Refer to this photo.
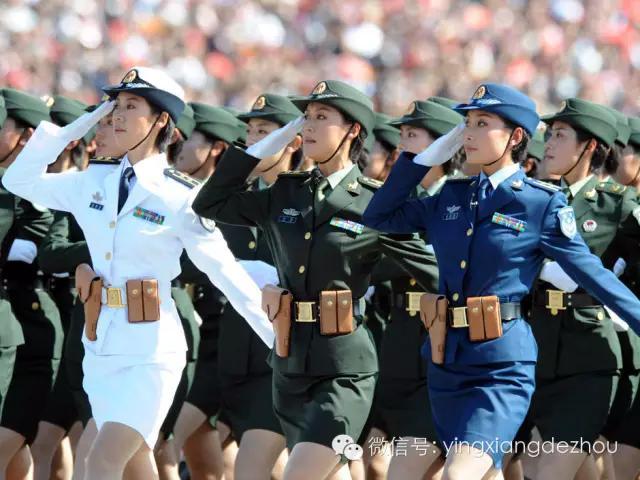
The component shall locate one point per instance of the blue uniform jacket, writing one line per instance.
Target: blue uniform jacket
(495, 248)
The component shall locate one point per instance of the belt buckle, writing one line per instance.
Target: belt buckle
(459, 317)
(413, 302)
(555, 301)
(305, 312)
(114, 297)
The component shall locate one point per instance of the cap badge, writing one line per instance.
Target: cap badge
(130, 77)
(480, 92)
(320, 88)
(260, 103)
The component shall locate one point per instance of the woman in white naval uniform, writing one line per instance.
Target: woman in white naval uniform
(137, 219)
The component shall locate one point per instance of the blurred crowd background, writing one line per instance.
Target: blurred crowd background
(229, 51)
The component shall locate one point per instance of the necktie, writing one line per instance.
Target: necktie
(322, 190)
(567, 193)
(485, 190)
(123, 191)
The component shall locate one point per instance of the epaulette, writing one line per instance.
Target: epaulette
(370, 182)
(295, 174)
(180, 177)
(549, 187)
(104, 161)
(611, 187)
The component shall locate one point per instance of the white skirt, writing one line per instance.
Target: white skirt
(135, 390)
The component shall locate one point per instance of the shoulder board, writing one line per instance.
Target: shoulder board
(370, 182)
(549, 187)
(180, 177)
(104, 161)
(611, 187)
(460, 179)
(295, 174)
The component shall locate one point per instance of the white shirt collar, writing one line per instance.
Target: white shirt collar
(436, 186)
(576, 187)
(336, 177)
(501, 175)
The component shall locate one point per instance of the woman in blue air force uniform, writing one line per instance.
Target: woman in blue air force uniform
(490, 234)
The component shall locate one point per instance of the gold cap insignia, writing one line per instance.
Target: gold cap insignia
(590, 193)
(259, 103)
(563, 105)
(411, 109)
(480, 92)
(105, 98)
(130, 77)
(49, 100)
(353, 186)
(320, 88)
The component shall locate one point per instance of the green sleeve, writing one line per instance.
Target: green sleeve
(57, 254)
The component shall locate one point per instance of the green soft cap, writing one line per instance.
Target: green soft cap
(431, 116)
(536, 146)
(274, 108)
(65, 110)
(25, 108)
(217, 123)
(589, 117)
(349, 100)
(186, 122)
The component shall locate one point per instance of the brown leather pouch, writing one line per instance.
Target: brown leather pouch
(151, 300)
(433, 313)
(276, 303)
(328, 312)
(345, 311)
(89, 287)
(135, 305)
(492, 317)
(475, 319)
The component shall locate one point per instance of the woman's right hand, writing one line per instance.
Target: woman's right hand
(81, 126)
(276, 140)
(443, 149)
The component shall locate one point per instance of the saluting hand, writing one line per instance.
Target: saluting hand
(81, 126)
(442, 149)
(276, 140)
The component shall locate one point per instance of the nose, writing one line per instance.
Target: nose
(307, 127)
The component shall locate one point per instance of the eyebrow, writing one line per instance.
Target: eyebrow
(326, 109)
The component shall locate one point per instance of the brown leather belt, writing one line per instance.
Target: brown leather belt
(409, 301)
(557, 300)
(457, 316)
(309, 312)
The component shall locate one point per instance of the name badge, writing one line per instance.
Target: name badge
(347, 225)
(96, 206)
(509, 222)
(148, 215)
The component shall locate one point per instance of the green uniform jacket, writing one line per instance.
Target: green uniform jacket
(10, 329)
(583, 339)
(313, 251)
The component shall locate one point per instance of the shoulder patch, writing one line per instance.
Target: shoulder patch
(611, 187)
(549, 187)
(180, 177)
(104, 161)
(295, 174)
(370, 182)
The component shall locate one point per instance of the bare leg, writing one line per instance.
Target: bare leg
(281, 463)
(626, 461)
(415, 463)
(10, 443)
(229, 450)
(468, 463)
(82, 451)
(189, 420)
(259, 450)
(44, 448)
(357, 471)
(141, 466)
(376, 460)
(312, 461)
(74, 436)
(112, 449)
(21, 465)
(166, 459)
(62, 464)
(560, 465)
(203, 454)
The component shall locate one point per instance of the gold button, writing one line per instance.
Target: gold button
(469, 232)
(307, 235)
(345, 302)
(149, 291)
(455, 297)
(107, 256)
(475, 309)
(600, 316)
(412, 282)
(112, 224)
(463, 264)
(301, 269)
(134, 291)
(252, 245)
(35, 306)
(490, 308)
(329, 303)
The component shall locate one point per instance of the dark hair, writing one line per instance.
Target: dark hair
(20, 123)
(519, 152)
(174, 150)
(599, 155)
(296, 159)
(613, 159)
(77, 154)
(163, 140)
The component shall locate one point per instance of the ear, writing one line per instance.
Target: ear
(591, 146)
(295, 144)
(218, 148)
(355, 130)
(26, 135)
(72, 145)
(163, 120)
(517, 136)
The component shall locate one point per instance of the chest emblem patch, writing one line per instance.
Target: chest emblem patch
(289, 215)
(453, 212)
(590, 226)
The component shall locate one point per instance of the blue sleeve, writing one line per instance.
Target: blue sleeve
(585, 268)
(390, 210)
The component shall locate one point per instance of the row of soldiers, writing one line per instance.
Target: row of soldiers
(222, 420)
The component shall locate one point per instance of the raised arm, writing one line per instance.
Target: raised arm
(27, 176)
(209, 252)
(586, 269)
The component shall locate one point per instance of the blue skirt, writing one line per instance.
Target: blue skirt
(481, 406)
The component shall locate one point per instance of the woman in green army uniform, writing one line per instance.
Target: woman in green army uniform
(323, 386)
(579, 352)
(52, 448)
(626, 459)
(214, 130)
(245, 376)
(37, 360)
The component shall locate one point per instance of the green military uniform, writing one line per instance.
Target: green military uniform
(579, 351)
(402, 398)
(625, 416)
(37, 360)
(245, 376)
(325, 386)
(216, 124)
